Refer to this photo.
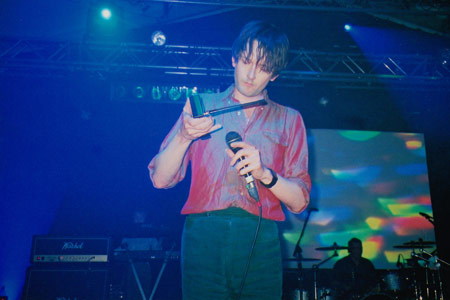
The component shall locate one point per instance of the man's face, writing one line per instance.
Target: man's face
(355, 249)
(249, 77)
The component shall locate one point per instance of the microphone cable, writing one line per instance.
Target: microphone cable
(254, 194)
(230, 138)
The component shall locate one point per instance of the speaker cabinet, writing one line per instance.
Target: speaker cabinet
(66, 284)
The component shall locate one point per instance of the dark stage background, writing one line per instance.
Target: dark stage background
(74, 162)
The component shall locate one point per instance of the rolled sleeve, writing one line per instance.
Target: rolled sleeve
(182, 170)
(296, 157)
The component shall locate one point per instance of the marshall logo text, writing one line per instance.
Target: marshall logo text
(72, 245)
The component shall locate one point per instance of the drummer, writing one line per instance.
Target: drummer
(354, 275)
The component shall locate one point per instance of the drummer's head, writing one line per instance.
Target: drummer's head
(355, 247)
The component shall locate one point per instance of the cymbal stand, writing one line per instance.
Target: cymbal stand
(438, 263)
(316, 268)
(298, 254)
(438, 260)
(418, 289)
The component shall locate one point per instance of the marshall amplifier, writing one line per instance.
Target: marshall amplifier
(66, 284)
(51, 249)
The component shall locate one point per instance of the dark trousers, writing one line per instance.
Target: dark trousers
(215, 251)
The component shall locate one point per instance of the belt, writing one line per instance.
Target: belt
(231, 211)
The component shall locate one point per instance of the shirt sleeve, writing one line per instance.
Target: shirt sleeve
(182, 170)
(296, 156)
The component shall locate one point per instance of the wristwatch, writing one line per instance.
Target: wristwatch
(274, 179)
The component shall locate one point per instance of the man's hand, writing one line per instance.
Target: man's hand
(252, 162)
(193, 128)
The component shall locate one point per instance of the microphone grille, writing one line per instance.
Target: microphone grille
(232, 137)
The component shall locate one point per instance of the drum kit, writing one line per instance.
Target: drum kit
(416, 278)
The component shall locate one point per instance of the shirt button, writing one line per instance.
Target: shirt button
(242, 194)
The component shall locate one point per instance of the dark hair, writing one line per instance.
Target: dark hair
(354, 241)
(273, 46)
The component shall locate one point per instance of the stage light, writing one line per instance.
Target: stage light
(156, 93)
(174, 93)
(323, 101)
(120, 91)
(445, 57)
(105, 22)
(158, 38)
(106, 13)
(347, 27)
(139, 92)
(147, 92)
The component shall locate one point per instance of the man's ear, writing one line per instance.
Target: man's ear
(274, 77)
(233, 62)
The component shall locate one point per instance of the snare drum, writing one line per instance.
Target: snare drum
(392, 282)
(296, 295)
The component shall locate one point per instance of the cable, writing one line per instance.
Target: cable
(230, 138)
(254, 194)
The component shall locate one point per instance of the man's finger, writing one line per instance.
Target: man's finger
(187, 108)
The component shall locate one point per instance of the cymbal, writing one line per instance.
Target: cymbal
(416, 244)
(332, 248)
(412, 246)
(419, 242)
(301, 259)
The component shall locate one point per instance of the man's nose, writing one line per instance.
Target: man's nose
(252, 72)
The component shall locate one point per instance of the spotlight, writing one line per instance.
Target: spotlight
(158, 38)
(106, 13)
(174, 94)
(445, 57)
(104, 21)
(120, 91)
(347, 27)
(323, 101)
(156, 93)
(139, 92)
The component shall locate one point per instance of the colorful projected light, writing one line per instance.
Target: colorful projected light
(369, 185)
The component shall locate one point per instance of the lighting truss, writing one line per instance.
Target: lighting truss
(367, 6)
(431, 16)
(46, 58)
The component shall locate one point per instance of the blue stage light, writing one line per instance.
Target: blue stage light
(347, 27)
(106, 13)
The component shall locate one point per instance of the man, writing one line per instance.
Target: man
(354, 275)
(221, 216)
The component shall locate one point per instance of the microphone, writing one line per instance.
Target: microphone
(426, 216)
(233, 137)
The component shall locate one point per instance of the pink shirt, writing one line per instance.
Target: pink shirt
(279, 134)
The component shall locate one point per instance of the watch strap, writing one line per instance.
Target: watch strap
(274, 179)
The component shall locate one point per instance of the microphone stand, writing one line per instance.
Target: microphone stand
(299, 256)
(222, 110)
(429, 218)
